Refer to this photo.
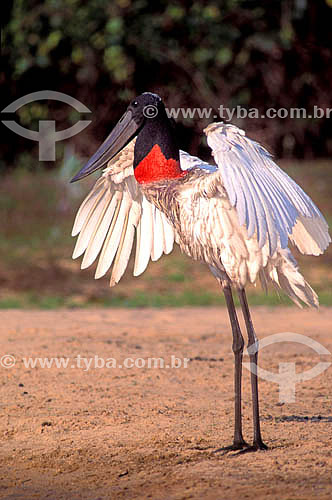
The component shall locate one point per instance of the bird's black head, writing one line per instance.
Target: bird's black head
(145, 108)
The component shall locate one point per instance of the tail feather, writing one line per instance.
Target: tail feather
(284, 274)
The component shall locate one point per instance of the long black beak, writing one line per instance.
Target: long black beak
(121, 135)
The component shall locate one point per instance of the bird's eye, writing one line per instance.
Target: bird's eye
(134, 104)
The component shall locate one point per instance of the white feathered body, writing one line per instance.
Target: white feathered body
(238, 217)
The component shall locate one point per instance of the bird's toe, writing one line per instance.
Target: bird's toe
(236, 446)
(256, 446)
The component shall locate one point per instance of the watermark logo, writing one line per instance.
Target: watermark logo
(287, 378)
(150, 111)
(47, 136)
(96, 362)
(239, 113)
(7, 361)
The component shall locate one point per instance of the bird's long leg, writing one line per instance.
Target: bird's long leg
(253, 357)
(238, 344)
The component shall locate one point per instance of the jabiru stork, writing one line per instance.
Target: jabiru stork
(238, 216)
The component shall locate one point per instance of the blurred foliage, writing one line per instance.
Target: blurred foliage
(194, 53)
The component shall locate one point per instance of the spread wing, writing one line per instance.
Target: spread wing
(268, 202)
(109, 217)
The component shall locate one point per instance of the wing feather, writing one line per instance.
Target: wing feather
(98, 236)
(168, 235)
(85, 208)
(109, 217)
(89, 224)
(124, 250)
(145, 240)
(268, 202)
(158, 235)
(113, 238)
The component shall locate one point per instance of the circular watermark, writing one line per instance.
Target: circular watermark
(287, 378)
(150, 111)
(47, 136)
(7, 361)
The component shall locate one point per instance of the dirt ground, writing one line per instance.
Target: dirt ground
(108, 433)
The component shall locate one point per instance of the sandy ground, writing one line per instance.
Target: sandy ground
(74, 433)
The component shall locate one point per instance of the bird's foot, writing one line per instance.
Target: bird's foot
(236, 446)
(257, 445)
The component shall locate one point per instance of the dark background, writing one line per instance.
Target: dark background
(194, 54)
